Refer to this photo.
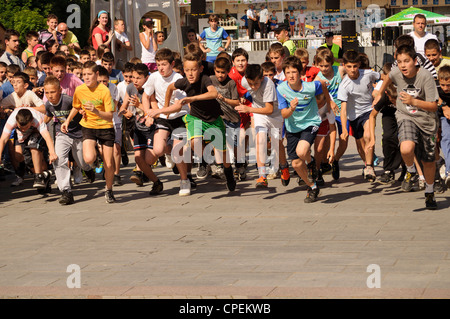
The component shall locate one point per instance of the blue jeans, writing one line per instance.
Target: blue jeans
(445, 142)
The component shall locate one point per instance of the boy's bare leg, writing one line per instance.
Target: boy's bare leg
(38, 161)
(108, 162)
(140, 159)
(304, 154)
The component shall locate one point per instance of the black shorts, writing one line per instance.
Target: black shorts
(144, 139)
(172, 125)
(358, 125)
(33, 141)
(308, 134)
(104, 136)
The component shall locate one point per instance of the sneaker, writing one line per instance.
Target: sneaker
(240, 173)
(2, 173)
(312, 195)
(376, 160)
(411, 182)
(17, 182)
(231, 183)
(312, 170)
(447, 180)
(117, 180)
(90, 175)
(430, 201)
(100, 168)
(388, 177)
(439, 186)
(39, 181)
(421, 182)
(285, 176)
(168, 159)
(66, 198)
(273, 174)
(218, 172)
(157, 188)
(326, 168)
(369, 173)
(320, 181)
(137, 178)
(261, 182)
(109, 196)
(185, 188)
(193, 183)
(335, 170)
(203, 171)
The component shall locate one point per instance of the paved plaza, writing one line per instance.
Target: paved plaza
(249, 244)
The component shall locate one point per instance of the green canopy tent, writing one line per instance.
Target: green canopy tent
(406, 17)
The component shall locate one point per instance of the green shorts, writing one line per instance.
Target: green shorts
(213, 132)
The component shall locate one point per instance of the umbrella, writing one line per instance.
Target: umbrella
(407, 16)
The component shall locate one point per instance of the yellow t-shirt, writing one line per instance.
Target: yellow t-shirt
(444, 61)
(102, 100)
(70, 38)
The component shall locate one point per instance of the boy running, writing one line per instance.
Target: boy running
(97, 126)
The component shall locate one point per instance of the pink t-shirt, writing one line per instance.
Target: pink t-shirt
(104, 35)
(69, 83)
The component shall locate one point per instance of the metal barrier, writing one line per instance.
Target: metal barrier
(264, 44)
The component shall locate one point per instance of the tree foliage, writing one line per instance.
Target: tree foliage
(26, 15)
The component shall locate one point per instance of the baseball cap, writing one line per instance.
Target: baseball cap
(328, 34)
(281, 27)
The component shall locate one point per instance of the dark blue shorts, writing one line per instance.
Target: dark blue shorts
(357, 125)
(308, 135)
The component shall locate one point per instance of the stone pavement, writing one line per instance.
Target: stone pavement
(248, 244)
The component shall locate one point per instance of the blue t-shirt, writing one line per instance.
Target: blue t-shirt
(116, 76)
(214, 39)
(307, 112)
(244, 17)
(333, 84)
(7, 89)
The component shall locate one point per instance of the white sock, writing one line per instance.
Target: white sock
(429, 188)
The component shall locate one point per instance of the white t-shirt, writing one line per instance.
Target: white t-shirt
(358, 93)
(158, 84)
(263, 15)
(121, 37)
(250, 14)
(419, 43)
(122, 89)
(301, 18)
(266, 93)
(28, 99)
(148, 56)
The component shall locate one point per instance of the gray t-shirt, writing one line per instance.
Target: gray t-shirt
(358, 93)
(140, 123)
(421, 87)
(265, 93)
(228, 90)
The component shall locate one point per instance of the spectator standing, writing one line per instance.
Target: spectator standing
(69, 38)
(12, 49)
(263, 20)
(419, 34)
(251, 16)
